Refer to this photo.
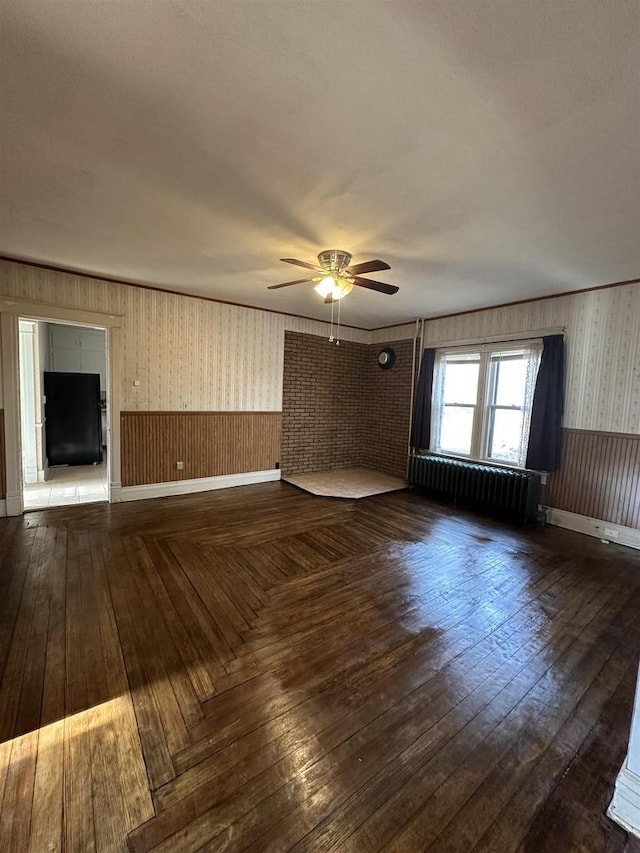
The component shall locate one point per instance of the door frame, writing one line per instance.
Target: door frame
(11, 310)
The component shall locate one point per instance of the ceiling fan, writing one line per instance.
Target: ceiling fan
(336, 278)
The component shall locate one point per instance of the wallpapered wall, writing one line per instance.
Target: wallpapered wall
(188, 354)
(603, 349)
(192, 355)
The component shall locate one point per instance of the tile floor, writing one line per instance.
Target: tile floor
(77, 484)
(346, 482)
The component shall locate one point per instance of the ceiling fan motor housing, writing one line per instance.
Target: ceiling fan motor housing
(334, 260)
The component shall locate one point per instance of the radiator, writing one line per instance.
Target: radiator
(515, 494)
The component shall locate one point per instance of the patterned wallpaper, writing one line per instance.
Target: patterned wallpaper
(603, 349)
(193, 355)
(187, 353)
(392, 333)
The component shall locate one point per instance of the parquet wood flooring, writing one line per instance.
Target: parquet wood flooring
(262, 669)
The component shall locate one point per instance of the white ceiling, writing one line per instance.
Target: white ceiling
(489, 150)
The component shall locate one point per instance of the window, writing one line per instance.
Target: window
(482, 402)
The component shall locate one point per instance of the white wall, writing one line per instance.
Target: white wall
(28, 370)
(77, 349)
(43, 345)
(42, 349)
(34, 359)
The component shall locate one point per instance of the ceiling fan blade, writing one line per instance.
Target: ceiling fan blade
(288, 283)
(380, 286)
(298, 263)
(368, 266)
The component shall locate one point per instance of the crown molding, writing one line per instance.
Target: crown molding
(128, 283)
(110, 280)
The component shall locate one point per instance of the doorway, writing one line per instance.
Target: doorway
(63, 413)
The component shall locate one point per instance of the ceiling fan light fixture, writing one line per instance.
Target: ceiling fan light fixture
(336, 277)
(330, 287)
(326, 286)
(334, 260)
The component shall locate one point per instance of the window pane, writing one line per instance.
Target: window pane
(461, 381)
(455, 430)
(505, 438)
(511, 381)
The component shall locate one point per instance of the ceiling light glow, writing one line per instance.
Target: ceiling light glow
(330, 287)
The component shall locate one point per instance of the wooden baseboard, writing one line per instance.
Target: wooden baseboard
(203, 484)
(603, 530)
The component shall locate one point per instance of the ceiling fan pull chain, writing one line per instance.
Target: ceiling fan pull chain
(331, 324)
(338, 329)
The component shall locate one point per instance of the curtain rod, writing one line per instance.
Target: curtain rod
(503, 339)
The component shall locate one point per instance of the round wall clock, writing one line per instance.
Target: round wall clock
(386, 358)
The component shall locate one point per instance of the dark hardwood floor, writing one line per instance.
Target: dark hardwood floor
(261, 669)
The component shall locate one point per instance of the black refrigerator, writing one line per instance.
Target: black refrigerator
(73, 423)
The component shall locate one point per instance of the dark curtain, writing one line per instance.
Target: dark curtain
(421, 423)
(545, 432)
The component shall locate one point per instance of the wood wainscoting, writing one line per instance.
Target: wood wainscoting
(208, 443)
(599, 477)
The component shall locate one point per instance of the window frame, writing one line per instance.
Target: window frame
(482, 421)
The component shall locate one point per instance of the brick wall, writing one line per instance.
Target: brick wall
(340, 409)
(321, 403)
(386, 413)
